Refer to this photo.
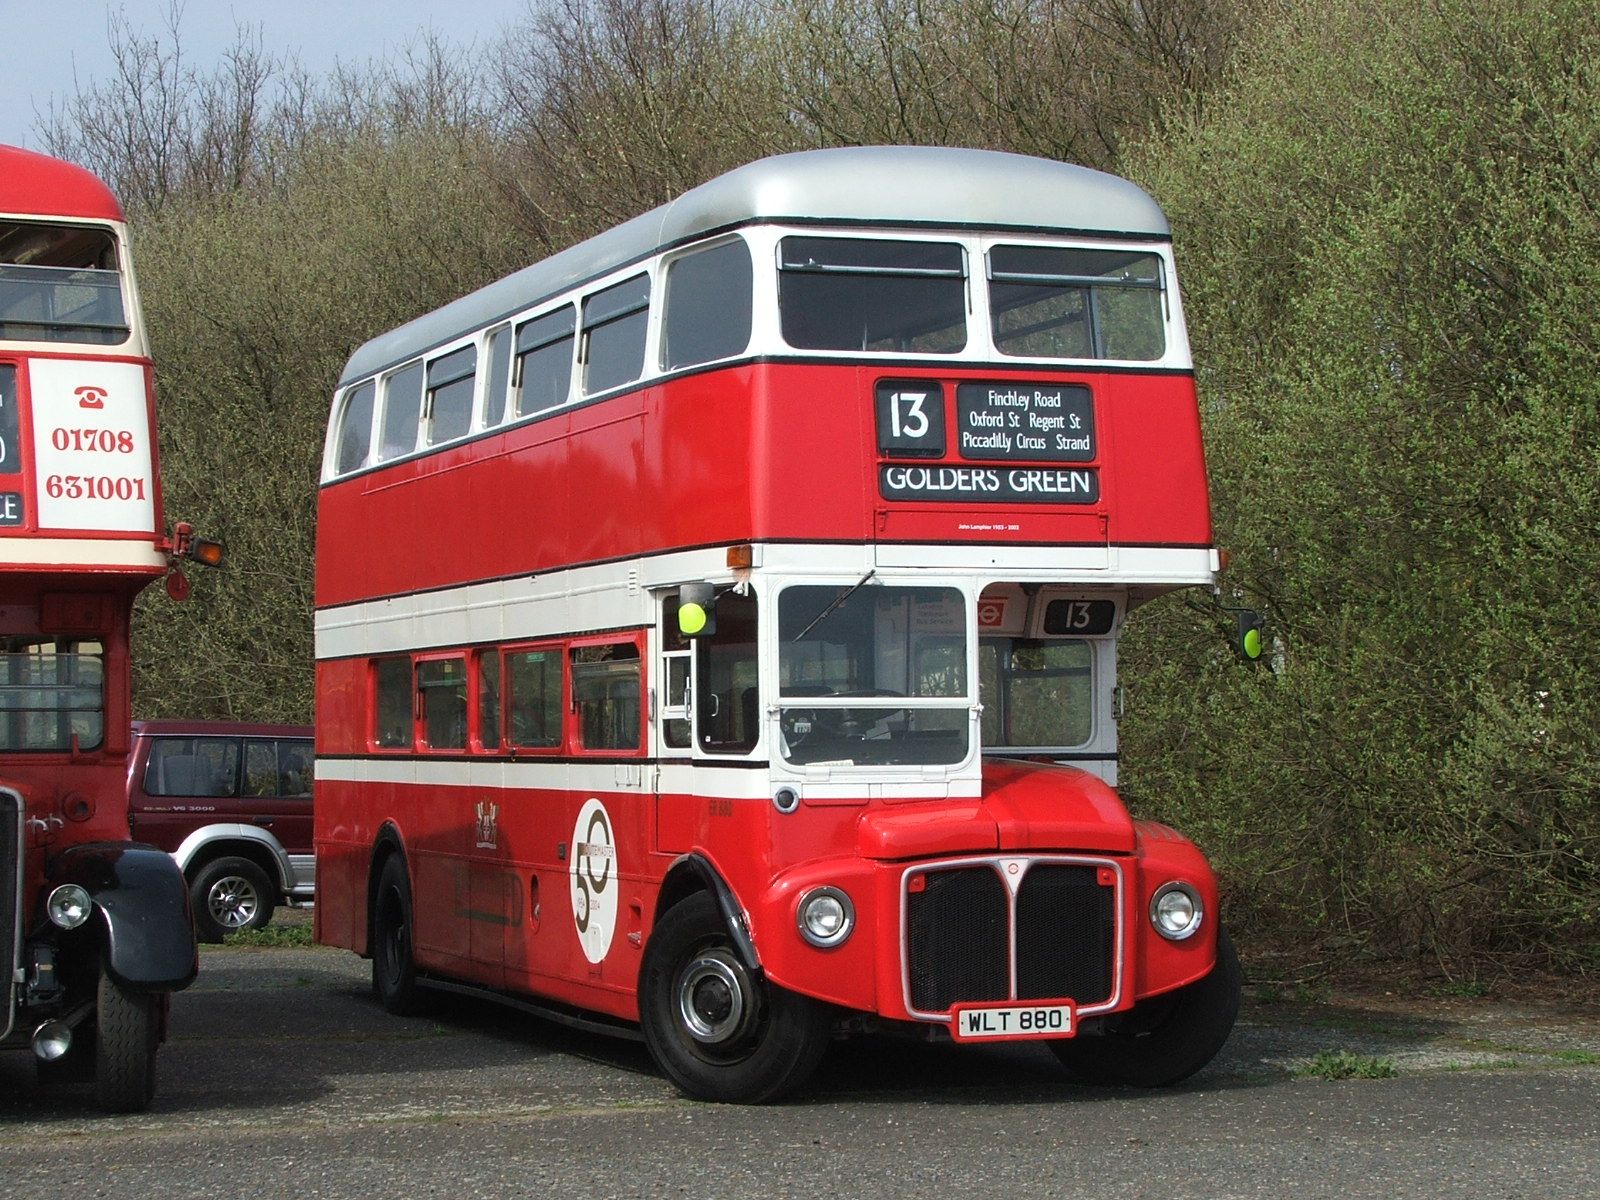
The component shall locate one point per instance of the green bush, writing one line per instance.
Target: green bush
(1392, 239)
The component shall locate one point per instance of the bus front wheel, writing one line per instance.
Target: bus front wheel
(717, 1029)
(1166, 1038)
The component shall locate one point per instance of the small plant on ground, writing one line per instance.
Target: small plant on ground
(273, 936)
(1343, 1064)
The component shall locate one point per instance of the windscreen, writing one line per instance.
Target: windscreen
(873, 675)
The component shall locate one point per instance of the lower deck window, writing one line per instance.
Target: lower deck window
(533, 709)
(52, 694)
(873, 675)
(392, 683)
(606, 695)
(442, 683)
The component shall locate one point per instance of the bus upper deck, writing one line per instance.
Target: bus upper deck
(988, 351)
(78, 485)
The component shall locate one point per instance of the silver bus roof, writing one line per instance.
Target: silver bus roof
(917, 186)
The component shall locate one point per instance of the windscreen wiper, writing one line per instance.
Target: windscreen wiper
(829, 611)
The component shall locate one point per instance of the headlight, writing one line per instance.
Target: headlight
(69, 906)
(826, 917)
(1176, 911)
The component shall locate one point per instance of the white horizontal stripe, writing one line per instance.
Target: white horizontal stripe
(608, 596)
(617, 595)
(80, 552)
(564, 775)
(675, 778)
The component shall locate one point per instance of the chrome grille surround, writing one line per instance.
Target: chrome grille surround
(1011, 871)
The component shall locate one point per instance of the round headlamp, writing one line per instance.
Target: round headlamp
(1176, 911)
(826, 917)
(68, 906)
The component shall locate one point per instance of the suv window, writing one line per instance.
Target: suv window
(277, 768)
(209, 766)
(193, 766)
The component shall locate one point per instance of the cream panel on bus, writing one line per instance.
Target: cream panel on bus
(91, 445)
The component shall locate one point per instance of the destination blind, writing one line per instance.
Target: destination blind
(996, 423)
(1025, 422)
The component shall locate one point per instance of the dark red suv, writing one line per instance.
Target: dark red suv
(232, 803)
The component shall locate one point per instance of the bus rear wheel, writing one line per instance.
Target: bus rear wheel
(394, 971)
(1166, 1038)
(717, 1029)
(127, 1032)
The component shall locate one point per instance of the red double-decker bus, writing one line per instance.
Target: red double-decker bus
(95, 931)
(717, 627)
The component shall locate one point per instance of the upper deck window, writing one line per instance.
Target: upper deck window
(59, 283)
(494, 398)
(52, 694)
(870, 294)
(402, 409)
(355, 429)
(614, 322)
(450, 379)
(708, 306)
(1061, 302)
(544, 361)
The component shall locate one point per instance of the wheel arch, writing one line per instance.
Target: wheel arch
(388, 844)
(142, 900)
(693, 873)
(211, 842)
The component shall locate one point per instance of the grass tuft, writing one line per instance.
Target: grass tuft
(1342, 1064)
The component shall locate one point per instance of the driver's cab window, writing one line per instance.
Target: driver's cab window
(712, 683)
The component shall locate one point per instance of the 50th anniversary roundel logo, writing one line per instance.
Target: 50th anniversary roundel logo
(593, 875)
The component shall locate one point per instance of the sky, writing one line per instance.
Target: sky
(43, 42)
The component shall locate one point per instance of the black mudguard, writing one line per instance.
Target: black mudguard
(144, 902)
(698, 865)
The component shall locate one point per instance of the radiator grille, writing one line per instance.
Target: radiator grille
(10, 877)
(959, 939)
(1066, 935)
(959, 935)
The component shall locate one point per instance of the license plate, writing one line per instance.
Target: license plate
(1012, 1022)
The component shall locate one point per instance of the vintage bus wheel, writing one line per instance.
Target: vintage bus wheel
(718, 1030)
(228, 895)
(1165, 1039)
(127, 1031)
(394, 971)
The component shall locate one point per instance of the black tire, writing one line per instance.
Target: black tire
(716, 1029)
(1165, 1039)
(394, 970)
(229, 895)
(127, 1032)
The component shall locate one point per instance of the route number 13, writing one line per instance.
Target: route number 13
(910, 418)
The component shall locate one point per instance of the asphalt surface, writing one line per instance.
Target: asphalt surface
(283, 1078)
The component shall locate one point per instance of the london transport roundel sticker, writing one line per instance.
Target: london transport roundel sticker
(593, 874)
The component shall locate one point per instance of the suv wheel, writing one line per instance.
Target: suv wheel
(230, 894)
